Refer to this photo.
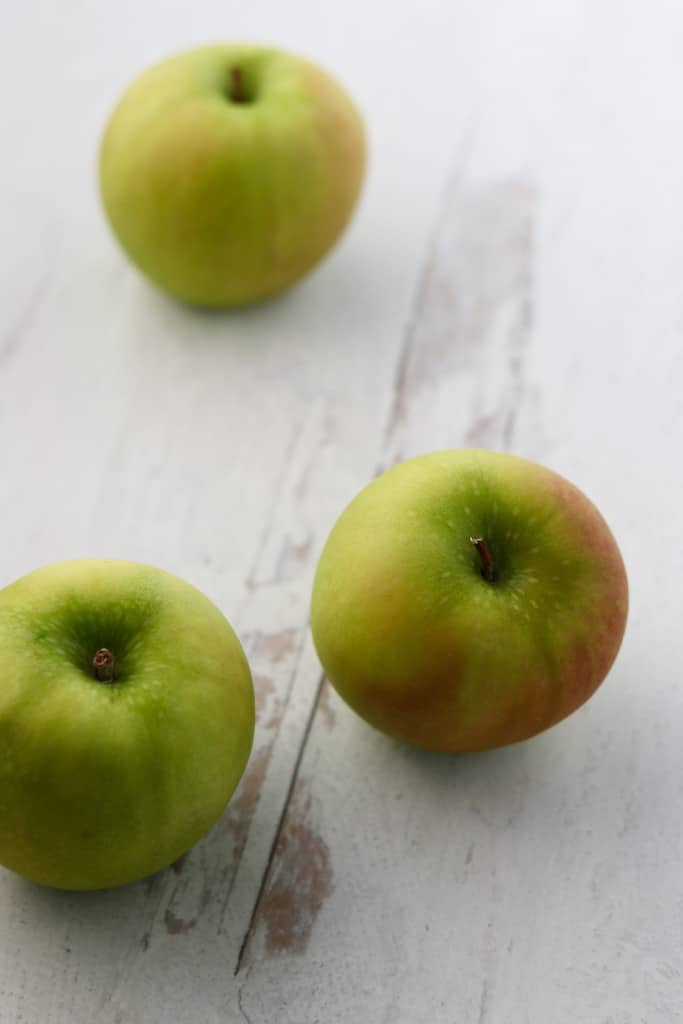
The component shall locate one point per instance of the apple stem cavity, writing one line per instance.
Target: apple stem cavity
(103, 665)
(237, 92)
(488, 569)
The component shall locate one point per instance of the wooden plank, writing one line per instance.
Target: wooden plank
(541, 882)
(218, 447)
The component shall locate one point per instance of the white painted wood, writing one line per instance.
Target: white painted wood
(513, 279)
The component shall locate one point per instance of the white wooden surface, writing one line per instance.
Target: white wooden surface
(513, 279)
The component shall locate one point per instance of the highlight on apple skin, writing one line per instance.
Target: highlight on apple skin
(126, 721)
(227, 172)
(468, 599)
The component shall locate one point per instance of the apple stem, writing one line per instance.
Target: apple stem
(103, 665)
(237, 93)
(488, 569)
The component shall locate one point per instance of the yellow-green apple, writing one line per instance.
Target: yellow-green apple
(228, 171)
(468, 599)
(126, 721)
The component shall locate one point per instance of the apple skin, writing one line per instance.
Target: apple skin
(103, 783)
(422, 646)
(224, 203)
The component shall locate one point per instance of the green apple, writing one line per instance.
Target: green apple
(468, 599)
(227, 172)
(126, 721)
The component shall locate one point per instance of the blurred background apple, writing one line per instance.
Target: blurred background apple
(227, 172)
